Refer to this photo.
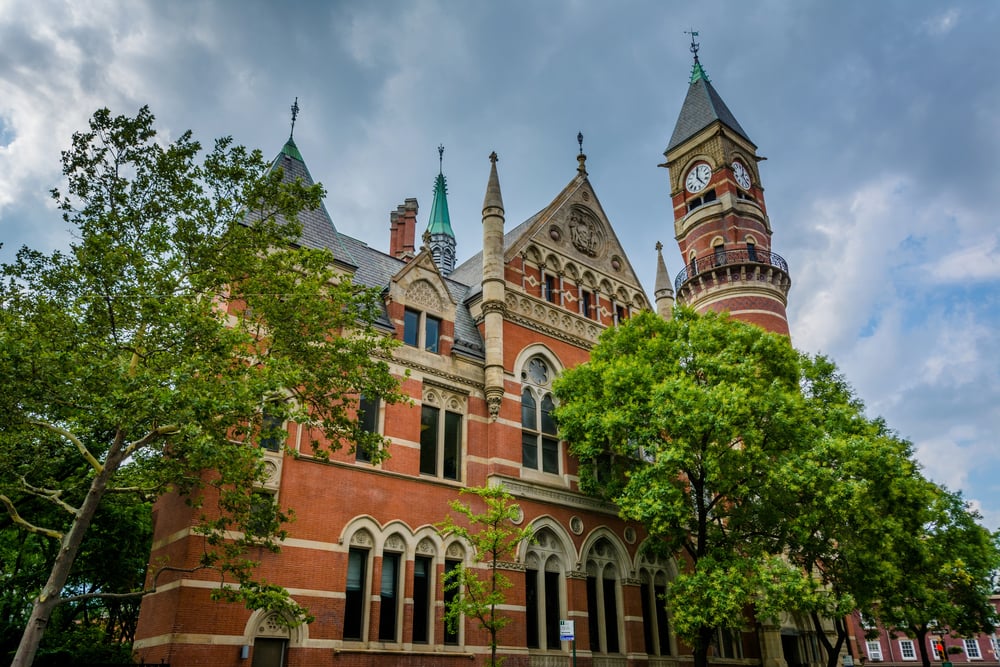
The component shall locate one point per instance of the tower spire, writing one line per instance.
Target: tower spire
(295, 114)
(697, 71)
(439, 237)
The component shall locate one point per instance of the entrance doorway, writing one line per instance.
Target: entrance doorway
(269, 652)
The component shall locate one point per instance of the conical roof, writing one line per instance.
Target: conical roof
(702, 107)
(318, 230)
(440, 221)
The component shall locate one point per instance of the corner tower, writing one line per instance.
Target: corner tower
(720, 220)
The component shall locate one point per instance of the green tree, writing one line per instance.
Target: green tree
(854, 467)
(147, 352)
(949, 572)
(686, 424)
(494, 539)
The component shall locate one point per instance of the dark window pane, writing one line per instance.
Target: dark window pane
(751, 252)
(432, 332)
(421, 598)
(389, 596)
(587, 300)
(548, 423)
(552, 611)
(662, 625)
(411, 327)
(550, 289)
(529, 450)
(531, 607)
(593, 621)
(450, 637)
(368, 419)
(550, 456)
(428, 439)
(263, 514)
(452, 445)
(720, 255)
(647, 618)
(271, 435)
(354, 609)
(529, 418)
(611, 615)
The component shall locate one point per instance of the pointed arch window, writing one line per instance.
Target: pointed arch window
(603, 611)
(544, 585)
(539, 442)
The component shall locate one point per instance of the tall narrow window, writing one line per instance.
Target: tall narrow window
(422, 567)
(662, 625)
(552, 614)
(751, 251)
(354, 610)
(593, 615)
(611, 613)
(368, 420)
(389, 597)
(531, 607)
(440, 443)
(411, 327)
(450, 635)
(432, 333)
(720, 254)
(539, 440)
(602, 599)
(587, 304)
(271, 437)
(551, 293)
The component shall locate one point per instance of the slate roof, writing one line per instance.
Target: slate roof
(471, 270)
(372, 268)
(702, 107)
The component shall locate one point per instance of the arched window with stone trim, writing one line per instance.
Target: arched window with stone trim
(423, 592)
(270, 640)
(455, 556)
(539, 439)
(356, 606)
(545, 585)
(654, 575)
(604, 616)
(390, 588)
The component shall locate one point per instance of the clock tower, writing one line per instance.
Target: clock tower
(720, 220)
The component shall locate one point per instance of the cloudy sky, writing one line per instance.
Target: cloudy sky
(880, 122)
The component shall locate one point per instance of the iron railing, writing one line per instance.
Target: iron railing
(721, 258)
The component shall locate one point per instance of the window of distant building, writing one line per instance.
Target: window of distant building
(972, 649)
(441, 434)
(539, 442)
(874, 650)
(907, 650)
(421, 330)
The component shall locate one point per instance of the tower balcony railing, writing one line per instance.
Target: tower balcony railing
(722, 258)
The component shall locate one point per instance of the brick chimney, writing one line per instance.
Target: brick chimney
(403, 230)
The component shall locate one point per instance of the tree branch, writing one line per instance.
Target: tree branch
(90, 458)
(30, 527)
(152, 436)
(52, 495)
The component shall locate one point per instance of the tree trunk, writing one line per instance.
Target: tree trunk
(832, 650)
(921, 641)
(49, 597)
(701, 645)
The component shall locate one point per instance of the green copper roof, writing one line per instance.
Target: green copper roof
(439, 221)
(291, 150)
(698, 72)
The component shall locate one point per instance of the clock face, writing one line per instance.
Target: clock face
(698, 177)
(742, 174)
(538, 372)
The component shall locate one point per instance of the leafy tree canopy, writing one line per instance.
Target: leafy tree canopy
(183, 307)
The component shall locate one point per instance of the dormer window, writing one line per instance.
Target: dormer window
(421, 330)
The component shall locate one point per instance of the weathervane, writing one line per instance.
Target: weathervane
(441, 158)
(581, 158)
(694, 44)
(295, 114)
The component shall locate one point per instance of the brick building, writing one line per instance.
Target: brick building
(482, 343)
